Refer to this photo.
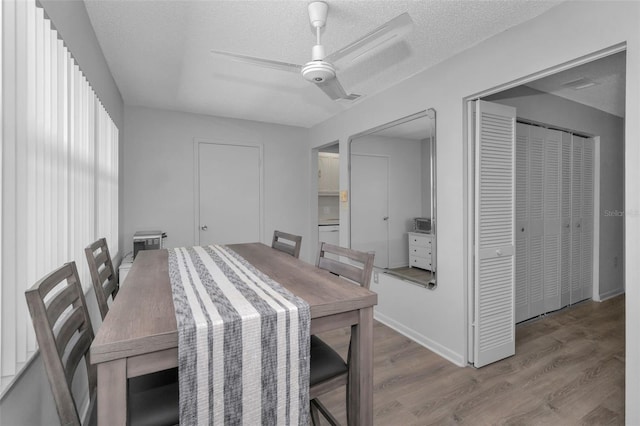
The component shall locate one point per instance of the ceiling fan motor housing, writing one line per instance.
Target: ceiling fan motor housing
(318, 71)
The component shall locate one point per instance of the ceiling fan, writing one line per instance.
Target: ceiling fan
(320, 70)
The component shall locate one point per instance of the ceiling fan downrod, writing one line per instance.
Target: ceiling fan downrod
(318, 17)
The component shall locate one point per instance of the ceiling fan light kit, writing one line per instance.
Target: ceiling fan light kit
(320, 70)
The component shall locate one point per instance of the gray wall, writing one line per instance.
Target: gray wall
(553, 110)
(29, 401)
(158, 182)
(439, 319)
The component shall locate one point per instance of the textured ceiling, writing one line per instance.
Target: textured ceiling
(159, 51)
(606, 93)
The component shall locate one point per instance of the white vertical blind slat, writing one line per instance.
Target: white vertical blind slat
(59, 149)
(9, 332)
(25, 332)
(2, 360)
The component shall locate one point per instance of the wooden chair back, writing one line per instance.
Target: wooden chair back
(360, 272)
(291, 247)
(358, 268)
(103, 274)
(63, 329)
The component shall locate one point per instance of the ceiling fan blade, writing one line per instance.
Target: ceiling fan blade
(393, 29)
(267, 63)
(335, 91)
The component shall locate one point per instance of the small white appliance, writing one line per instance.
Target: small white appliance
(147, 240)
(422, 224)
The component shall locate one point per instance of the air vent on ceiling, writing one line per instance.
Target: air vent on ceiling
(580, 83)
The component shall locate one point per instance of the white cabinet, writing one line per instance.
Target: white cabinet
(422, 251)
(123, 270)
(328, 173)
(329, 234)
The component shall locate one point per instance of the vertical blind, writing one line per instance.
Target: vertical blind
(58, 169)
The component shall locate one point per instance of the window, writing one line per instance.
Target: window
(58, 170)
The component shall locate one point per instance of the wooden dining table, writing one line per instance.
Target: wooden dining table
(139, 334)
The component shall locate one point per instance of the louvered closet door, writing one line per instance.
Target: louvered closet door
(552, 219)
(536, 221)
(494, 325)
(586, 249)
(576, 220)
(565, 212)
(522, 222)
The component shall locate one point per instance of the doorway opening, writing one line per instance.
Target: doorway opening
(328, 196)
(588, 96)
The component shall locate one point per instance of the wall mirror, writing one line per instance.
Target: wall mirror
(392, 171)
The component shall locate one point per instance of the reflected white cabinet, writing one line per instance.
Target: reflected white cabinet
(421, 251)
(328, 173)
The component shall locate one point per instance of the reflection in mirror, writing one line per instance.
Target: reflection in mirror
(393, 200)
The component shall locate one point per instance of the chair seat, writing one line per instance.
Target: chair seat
(325, 362)
(163, 399)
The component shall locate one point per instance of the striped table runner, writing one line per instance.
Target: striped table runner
(243, 342)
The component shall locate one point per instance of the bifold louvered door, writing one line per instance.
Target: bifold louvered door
(565, 237)
(538, 246)
(582, 181)
(494, 320)
(554, 219)
(522, 305)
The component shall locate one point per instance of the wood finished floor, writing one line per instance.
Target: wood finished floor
(568, 370)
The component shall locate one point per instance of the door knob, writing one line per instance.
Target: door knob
(204, 227)
(499, 252)
(385, 218)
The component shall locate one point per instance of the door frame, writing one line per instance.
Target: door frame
(196, 182)
(468, 122)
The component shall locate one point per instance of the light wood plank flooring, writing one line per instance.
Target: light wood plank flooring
(421, 275)
(568, 370)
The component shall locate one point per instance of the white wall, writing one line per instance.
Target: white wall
(549, 109)
(565, 33)
(158, 178)
(405, 188)
(29, 401)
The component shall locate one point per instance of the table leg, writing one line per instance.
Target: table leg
(112, 393)
(360, 409)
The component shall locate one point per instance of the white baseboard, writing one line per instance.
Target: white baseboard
(444, 352)
(610, 294)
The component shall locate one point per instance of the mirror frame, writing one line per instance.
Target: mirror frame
(430, 113)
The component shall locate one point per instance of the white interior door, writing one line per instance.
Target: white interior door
(370, 206)
(494, 239)
(586, 249)
(229, 187)
(522, 222)
(565, 252)
(536, 221)
(552, 219)
(576, 220)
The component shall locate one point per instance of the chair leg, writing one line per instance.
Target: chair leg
(315, 419)
(315, 403)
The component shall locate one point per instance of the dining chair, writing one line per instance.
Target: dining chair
(287, 243)
(64, 333)
(105, 284)
(103, 274)
(328, 369)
